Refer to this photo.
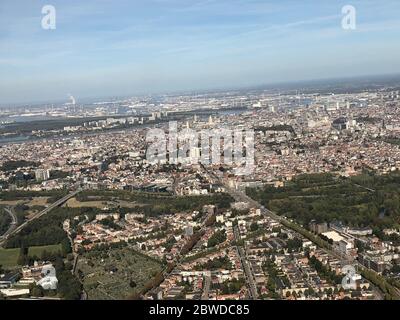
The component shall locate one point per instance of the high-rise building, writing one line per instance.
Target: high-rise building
(188, 231)
(42, 174)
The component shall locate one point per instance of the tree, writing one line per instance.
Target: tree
(395, 269)
(254, 226)
(66, 246)
(217, 238)
(23, 256)
(69, 287)
(37, 291)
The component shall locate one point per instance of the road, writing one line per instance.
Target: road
(74, 253)
(365, 188)
(13, 224)
(178, 258)
(207, 285)
(40, 214)
(246, 267)
(249, 274)
(240, 197)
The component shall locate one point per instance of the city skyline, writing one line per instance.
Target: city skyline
(124, 48)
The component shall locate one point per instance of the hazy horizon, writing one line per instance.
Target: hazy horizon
(282, 86)
(125, 48)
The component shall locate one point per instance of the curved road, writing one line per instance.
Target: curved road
(13, 224)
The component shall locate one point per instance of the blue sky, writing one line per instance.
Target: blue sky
(120, 47)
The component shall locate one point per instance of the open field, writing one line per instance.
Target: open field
(37, 251)
(73, 203)
(9, 257)
(115, 273)
(38, 201)
(11, 202)
(128, 204)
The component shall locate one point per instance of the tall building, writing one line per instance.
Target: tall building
(318, 227)
(188, 231)
(42, 174)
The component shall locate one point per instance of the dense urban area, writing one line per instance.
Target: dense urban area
(85, 215)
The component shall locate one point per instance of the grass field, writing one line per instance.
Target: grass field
(73, 203)
(38, 201)
(108, 274)
(9, 257)
(11, 202)
(37, 251)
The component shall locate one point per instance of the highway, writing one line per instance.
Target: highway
(40, 214)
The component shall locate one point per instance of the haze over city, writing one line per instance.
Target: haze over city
(129, 47)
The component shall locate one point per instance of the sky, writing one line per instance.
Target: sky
(106, 48)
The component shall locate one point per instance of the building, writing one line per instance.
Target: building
(342, 244)
(8, 279)
(340, 124)
(14, 293)
(103, 216)
(36, 270)
(48, 283)
(42, 174)
(209, 209)
(374, 262)
(318, 228)
(188, 231)
(44, 274)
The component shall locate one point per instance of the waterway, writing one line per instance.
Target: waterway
(23, 138)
